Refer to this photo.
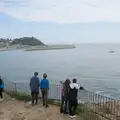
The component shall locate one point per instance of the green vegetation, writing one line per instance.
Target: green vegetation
(32, 41)
(19, 96)
(27, 41)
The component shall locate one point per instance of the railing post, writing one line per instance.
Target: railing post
(15, 87)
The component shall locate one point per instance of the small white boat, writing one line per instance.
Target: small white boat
(111, 51)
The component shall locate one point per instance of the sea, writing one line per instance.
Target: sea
(93, 65)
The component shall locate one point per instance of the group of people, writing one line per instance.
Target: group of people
(68, 93)
(43, 84)
(69, 97)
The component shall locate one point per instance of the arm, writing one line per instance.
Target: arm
(61, 82)
(38, 82)
(81, 88)
(48, 84)
(30, 83)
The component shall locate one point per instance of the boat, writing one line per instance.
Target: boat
(111, 51)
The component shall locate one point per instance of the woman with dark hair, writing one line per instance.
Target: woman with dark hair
(1, 88)
(65, 91)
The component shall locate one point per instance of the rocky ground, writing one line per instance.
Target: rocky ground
(11, 109)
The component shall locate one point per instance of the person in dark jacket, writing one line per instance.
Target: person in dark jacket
(62, 97)
(1, 88)
(66, 92)
(44, 86)
(34, 85)
(73, 94)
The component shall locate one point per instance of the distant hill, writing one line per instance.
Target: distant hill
(27, 41)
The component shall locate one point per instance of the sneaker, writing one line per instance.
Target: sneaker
(74, 116)
(71, 117)
(46, 106)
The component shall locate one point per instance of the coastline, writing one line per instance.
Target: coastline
(38, 48)
(49, 47)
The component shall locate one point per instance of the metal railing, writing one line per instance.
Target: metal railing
(91, 106)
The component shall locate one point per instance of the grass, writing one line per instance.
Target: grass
(19, 96)
(81, 110)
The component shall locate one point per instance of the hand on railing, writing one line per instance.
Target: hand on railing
(81, 88)
(61, 82)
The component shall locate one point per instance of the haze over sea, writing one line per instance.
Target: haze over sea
(92, 64)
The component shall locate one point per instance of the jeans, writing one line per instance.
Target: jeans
(66, 106)
(1, 94)
(34, 97)
(72, 107)
(45, 96)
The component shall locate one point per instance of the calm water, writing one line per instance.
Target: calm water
(94, 67)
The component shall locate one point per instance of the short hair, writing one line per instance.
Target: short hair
(44, 75)
(35, 73)
(74, 80)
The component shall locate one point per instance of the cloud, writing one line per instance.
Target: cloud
(63, 11)
(13, 3)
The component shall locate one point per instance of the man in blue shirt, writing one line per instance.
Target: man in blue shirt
(44, 86)
(1, 88)
(34, 85)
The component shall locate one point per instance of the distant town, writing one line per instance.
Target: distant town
(28, 44)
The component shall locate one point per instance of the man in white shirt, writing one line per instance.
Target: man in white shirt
(73, 93)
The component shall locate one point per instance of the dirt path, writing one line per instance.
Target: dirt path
(17, 110)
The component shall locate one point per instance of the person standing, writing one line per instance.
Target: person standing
(1, 88)
(44, 86)
(66, 93)
(73, 94)
(62, 97)
(34, 85)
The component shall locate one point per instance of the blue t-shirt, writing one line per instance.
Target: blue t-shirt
(2, 86)
(44, 83)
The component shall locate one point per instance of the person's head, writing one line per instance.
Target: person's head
(74, 80)
(45, 75)
(35, 73)
(67, 82)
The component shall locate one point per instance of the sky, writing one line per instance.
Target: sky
(68, 20)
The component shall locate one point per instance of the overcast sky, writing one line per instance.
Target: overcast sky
(64, 11)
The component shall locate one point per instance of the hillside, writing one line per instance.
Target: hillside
(27, 41)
